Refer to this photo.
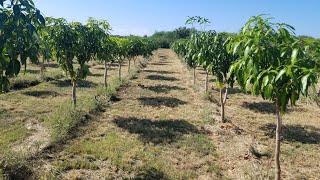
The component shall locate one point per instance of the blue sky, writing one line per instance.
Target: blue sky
(147, 16)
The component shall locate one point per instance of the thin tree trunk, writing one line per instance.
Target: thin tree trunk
(207, 81)
(105, 74)
(134, 61)
(120, 71)
(74, 95)
(129, 65)
(223, 100)
(194, 76)
(278, 136)
(43, 68)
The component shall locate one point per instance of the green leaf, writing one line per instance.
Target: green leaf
(280, 74)
(304, 82)
(294, 56)
(246, 52)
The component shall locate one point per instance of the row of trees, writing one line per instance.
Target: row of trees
(27, 35)
(264, 58)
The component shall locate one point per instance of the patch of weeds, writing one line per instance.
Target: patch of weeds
(214, 168)
(14, 166)
(119, 150)
(66, 165)
(112, 89)
(197, 143)
(11, 134)
(207, 116)
(63, 120)
(151, 173)
(30, 79)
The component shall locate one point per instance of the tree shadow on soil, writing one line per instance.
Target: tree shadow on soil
(267, 107)
(81, 84)
(159, 72)
(50, 65)
(32, 71)
(161, 78)
(231, 91)
(156, 131)
(295, 133)
(260, 107)
(96, 75)
(151, 174)
(163, 88)
(161, 63)
(41, 94)
(161, 101)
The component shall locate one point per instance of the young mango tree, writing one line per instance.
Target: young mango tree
(135, 48)
(191, 56)
(19, 22)
(102, 46)
(120, 52)
(273, 64)
(215, 59)
(71, 41)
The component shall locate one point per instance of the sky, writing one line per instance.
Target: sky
(144, 17)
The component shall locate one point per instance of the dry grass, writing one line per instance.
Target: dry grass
(161, 126)
(35, 113)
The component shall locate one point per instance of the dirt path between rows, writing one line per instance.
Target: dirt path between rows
(154, 130)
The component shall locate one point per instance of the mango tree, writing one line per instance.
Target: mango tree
(191, 56)
(214, 57)
(120, 51)
(45, 47)
(135, 48)
(102, 46)
(273, 64)
(19, 21)
(70, 41)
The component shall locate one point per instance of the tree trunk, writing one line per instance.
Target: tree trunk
(120, 71)
(74, 96)
(207, 81)
(278, 136)
(134, 61)
(223, 100)
(194, 76)
(129, 66)
(105, 74)
(43, 67)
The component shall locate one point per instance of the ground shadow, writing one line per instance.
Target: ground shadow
(67, 83)
(102, 68)
(151, 174)
(163, 88)
(32, 71)
(159, 72)
(161, 78)
(231, 91)
(295, 133)
(161, 64)
(51, 65)
(41, 94)
(96, 75)
(156, 131)
(24, 84)
(161, 101)
(268, 107)
(260, 107)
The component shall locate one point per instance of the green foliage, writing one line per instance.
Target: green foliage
(164, 39)
(19, 37)
(272, 62)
